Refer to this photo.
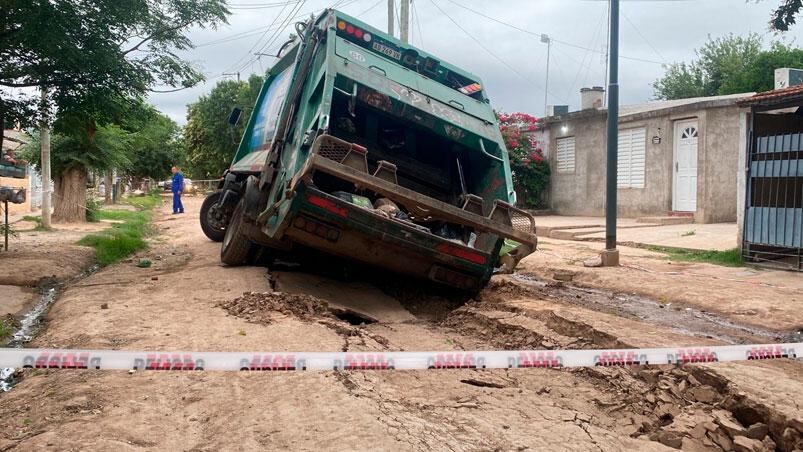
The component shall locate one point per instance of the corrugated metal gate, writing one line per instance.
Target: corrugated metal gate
(773, 230)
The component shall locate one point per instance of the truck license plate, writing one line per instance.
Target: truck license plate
(387, 51)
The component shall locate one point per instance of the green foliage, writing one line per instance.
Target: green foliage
(82, 144)
(155, 144)
(727, 65)
(12, 231)
(784, 16)
(5, 328)
(719, 61)
(93, 207)
(209, 140)
(37, 220)
(149, 202)
(729, 258)
(529, 167)
(144, 263)
(123, 239)
(90, 53)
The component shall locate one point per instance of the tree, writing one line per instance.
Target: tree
(785, 14)
(727, 65)
(209, 140)
(94, 56)
(155, 143)
(79, 145)
(530, 168)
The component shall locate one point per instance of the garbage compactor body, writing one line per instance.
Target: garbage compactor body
(365, 147)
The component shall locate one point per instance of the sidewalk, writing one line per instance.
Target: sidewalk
(629, 231)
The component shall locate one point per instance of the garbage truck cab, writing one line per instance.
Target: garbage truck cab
(368, 148)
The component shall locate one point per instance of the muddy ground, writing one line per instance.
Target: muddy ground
(188, 301)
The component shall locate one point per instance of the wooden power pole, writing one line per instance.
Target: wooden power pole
(44, 138)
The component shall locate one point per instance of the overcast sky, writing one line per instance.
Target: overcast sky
(513, 67)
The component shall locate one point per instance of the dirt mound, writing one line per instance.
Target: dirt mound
(261, 307)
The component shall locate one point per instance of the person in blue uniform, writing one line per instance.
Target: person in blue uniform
(177, 186)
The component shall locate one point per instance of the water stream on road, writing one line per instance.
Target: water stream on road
(31, 321)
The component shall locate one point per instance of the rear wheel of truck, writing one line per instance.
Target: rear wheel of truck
(213, 218)
(236, 248)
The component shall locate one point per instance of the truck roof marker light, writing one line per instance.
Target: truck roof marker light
(341, 25)
(471, 256)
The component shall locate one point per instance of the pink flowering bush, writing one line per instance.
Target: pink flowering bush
(530, 168)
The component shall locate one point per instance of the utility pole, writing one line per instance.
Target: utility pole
(44, 138)
(607, 50)
(391, 7)
(610, 256)
(233, 73)
(546, 40)
(404, 18)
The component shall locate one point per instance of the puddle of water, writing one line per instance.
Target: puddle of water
(686, 320)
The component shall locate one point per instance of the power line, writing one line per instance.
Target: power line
(259, 5)
(371, 8)
(643, 37)
(587, 54)
(569, 44)
(512, 69)
(250, 51)
(418, 24)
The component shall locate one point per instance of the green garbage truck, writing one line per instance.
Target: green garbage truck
(367, 148)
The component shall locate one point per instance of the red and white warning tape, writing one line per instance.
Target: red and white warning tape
(227, 361)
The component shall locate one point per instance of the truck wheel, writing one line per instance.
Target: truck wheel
(213, 218)
(236, 248)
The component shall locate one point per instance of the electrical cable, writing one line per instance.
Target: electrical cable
(418, 24)
(569, 44)
(251, 50)
(644, 38)
(512, 69)
(371, 8)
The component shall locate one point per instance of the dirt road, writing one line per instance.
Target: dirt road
(188, 301)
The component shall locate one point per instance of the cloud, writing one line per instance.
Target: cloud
(658, 31)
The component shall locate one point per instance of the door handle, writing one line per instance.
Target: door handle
(676, 166)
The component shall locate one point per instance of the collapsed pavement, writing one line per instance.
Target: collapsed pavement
(187, 301)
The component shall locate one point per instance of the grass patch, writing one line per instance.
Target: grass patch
(37, 220)
(145, 202)
(5, 329)
(729, 258)
(123, 239)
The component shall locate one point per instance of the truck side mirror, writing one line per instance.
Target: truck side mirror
(234, 116)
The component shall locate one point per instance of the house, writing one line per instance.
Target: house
(771, 189)
(16, 176)
(676, 157)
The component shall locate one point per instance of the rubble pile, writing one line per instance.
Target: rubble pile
(691, 408)
(261, 307)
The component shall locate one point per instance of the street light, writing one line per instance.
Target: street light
(546, 40)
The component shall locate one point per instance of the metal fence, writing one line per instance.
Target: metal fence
(773, 230)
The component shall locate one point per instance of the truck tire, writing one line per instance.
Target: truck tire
(213, 218)
(236, 248)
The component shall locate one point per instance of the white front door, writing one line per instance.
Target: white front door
(684, 193)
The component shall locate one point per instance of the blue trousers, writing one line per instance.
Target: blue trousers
(177, 206)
